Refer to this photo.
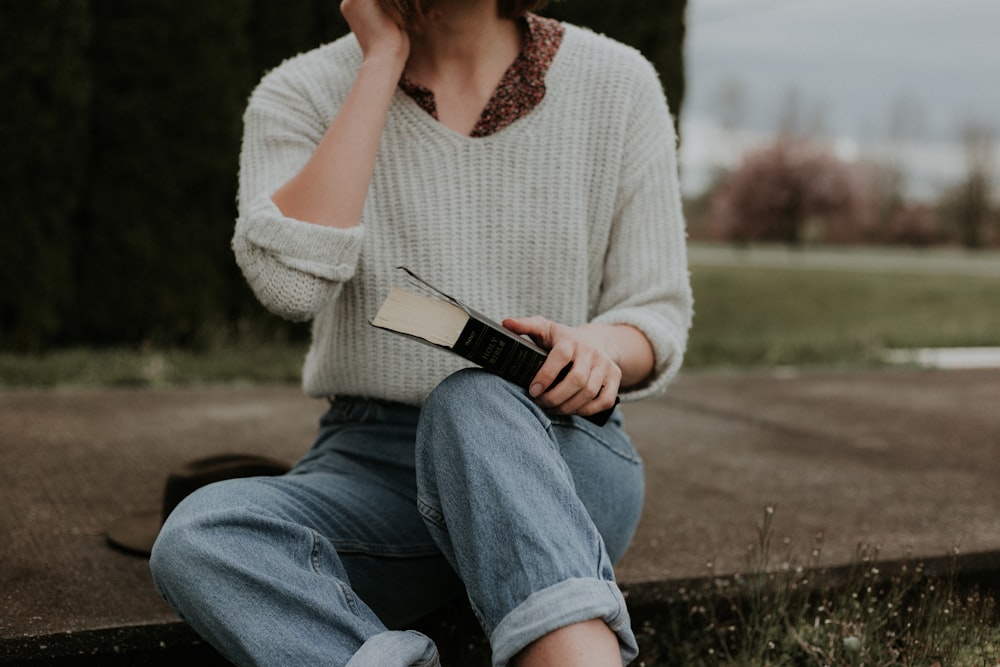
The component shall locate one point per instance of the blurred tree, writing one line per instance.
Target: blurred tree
(905, 127)
(911, 224)
(979, 141)
(731, 101)
(45, 88)
(899, 220)
(796, 121)
(170, 84)
(788, 190)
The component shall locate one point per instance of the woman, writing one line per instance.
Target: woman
(526, 166)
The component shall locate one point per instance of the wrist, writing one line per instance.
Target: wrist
(630, 350)
(388, 55)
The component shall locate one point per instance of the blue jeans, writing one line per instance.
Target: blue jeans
(395, 511)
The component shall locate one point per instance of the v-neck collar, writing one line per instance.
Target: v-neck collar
(520, 89)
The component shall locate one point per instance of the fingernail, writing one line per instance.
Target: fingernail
(536, 390)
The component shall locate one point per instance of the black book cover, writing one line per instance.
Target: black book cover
(489, 345)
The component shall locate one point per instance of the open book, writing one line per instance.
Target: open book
(434, 318)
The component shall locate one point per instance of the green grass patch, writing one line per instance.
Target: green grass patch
(752, 316)
(278, 362)
(745, 317)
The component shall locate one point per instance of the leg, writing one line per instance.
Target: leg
(583, 644)
(311, 568)
(520, 503)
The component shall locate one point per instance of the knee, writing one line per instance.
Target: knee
(476, 419)
(473, 395)
(466, 389)
(183, 552)
(173, 552)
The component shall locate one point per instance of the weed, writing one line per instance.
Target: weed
(778, 613)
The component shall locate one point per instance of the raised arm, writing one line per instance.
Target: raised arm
(331, 187)
(311, 135)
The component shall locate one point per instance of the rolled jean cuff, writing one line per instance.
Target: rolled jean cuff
(403, 648)
(568, 602)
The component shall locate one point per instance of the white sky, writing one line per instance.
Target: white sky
(850, 63)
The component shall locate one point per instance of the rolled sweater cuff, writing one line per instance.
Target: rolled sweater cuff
(668, 349)
(325, 252)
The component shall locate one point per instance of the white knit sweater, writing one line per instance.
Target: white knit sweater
(572, 212)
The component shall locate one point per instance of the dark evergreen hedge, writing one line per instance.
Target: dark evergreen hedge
(170, 85)
(121, 125)
(45, 87)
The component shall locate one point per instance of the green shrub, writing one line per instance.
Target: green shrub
(170, 83)
(45, 86)
(121, 128)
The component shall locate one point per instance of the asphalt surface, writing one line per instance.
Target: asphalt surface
(904, 462)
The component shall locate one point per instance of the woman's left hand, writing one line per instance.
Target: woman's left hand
(594, 377)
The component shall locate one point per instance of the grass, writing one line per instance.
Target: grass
(745, 316)
(148, 367)
(753, 316)
(779, 613)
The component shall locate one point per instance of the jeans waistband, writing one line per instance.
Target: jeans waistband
(363, 409)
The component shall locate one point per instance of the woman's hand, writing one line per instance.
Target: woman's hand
(377, 33)
(601, 359)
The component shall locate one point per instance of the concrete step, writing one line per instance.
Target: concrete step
(905, 461)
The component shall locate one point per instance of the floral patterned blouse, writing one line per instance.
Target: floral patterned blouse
(522, 86)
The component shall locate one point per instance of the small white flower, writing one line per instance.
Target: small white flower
(852, 644)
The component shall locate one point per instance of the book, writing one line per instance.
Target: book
(434, 318)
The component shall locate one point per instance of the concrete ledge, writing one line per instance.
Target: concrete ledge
(653, 605)
(158, 645)
(903, 460)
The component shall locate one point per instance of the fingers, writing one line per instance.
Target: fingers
(579, 377)
(375, 30)
(537, 327)
(590, 384)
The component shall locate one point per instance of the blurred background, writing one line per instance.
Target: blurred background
(886, 111)
(813, 134)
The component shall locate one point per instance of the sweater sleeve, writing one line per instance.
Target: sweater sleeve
(646, 281)
(293, 267)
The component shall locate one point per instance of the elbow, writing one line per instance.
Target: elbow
(284, 291)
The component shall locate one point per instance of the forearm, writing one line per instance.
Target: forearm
(331, 187)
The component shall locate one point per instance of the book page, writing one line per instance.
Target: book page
(434, 320)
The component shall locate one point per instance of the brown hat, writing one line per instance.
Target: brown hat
(135, 534)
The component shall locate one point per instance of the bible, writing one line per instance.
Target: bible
(441, 321)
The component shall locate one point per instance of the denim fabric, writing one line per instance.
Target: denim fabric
(390, 513)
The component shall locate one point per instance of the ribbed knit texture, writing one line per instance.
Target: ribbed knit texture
(572, 212)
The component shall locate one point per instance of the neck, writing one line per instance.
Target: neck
(461, 38)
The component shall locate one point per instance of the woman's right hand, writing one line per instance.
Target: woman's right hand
(378, 34)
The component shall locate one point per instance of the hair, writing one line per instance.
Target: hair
(410, 12)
